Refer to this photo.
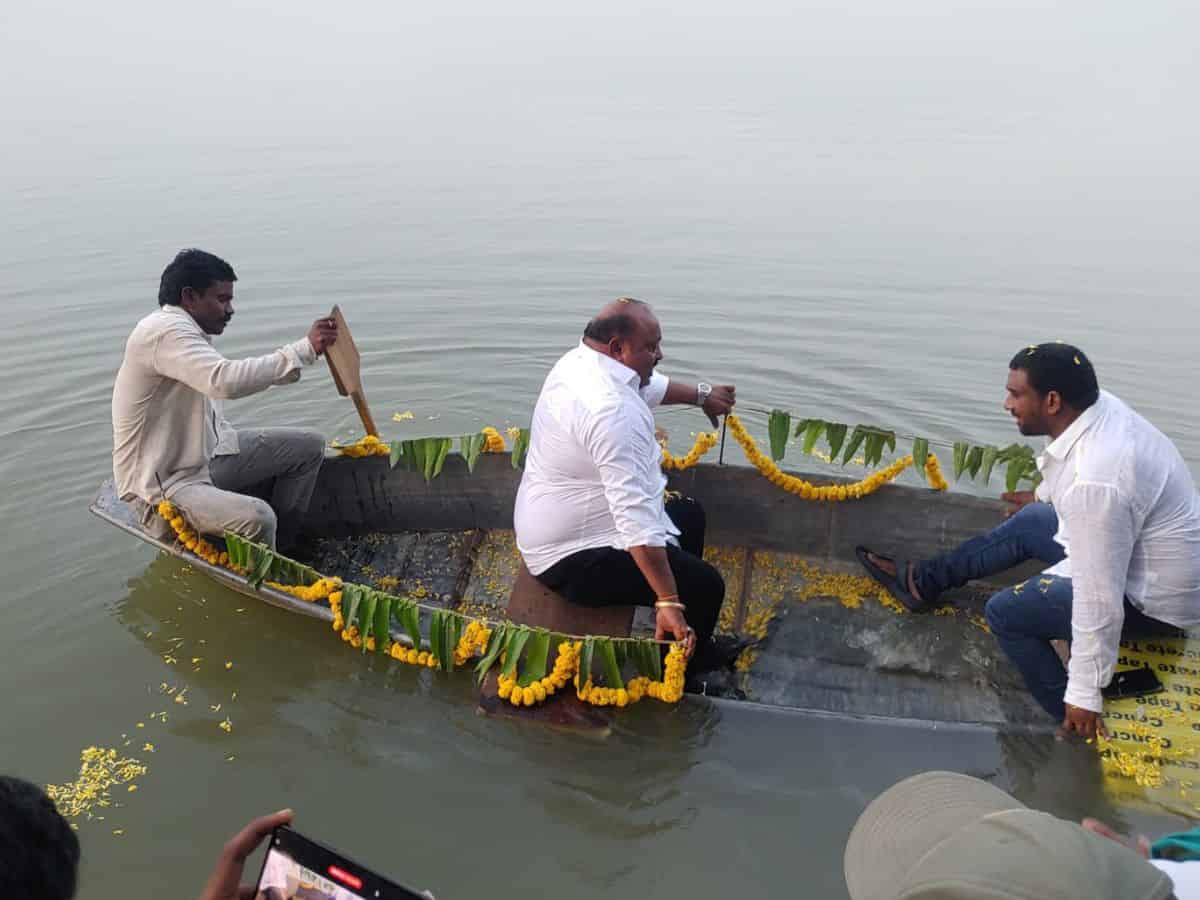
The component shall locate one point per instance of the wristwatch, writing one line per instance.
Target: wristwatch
(703, 389)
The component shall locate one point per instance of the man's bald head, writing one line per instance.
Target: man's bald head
(621, 318)
(628, 331)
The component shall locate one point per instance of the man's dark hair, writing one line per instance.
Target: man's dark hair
(614, 325)
(195, 269)
(39, 853)
(1059, 367)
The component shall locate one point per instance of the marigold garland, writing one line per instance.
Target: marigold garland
(806, 490)
(368, 445)
(495, 441)
(705, 441)
(472, 643)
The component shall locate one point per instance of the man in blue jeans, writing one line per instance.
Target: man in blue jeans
(1116, 517)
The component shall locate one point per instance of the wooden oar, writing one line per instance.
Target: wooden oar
(343, 362)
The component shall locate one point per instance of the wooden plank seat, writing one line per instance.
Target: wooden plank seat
(532, 603)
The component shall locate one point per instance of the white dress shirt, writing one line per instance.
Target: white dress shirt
(166, 404)
(593, 475)
(1129, 520)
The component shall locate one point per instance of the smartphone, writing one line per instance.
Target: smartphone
(1132, 683)
(298, 868)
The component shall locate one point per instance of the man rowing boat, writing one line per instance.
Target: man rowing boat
(590, 520)
(1116, 516)
(170, 439)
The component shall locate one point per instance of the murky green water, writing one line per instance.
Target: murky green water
(857, 218)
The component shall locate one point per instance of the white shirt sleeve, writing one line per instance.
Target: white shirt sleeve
(654, 392)
(1099, 524)
(184, 355)
(626, 464)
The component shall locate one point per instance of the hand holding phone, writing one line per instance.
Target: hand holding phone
(225, 881)
(298, 868)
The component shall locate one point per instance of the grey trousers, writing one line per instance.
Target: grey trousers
(292, 456)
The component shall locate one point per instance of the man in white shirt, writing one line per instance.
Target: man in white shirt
(170, 440)
(1117, 517)
(590, 520)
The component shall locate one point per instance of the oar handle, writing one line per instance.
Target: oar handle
(360, 403)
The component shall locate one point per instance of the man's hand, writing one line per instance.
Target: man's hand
(670, 621)
(1083, 722)
(322, 334)
(1017, 500)
(225, 881)
(720, 402)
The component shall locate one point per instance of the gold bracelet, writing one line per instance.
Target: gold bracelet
(668, 597)
(669, 604)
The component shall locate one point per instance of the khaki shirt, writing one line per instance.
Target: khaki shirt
(166, 405)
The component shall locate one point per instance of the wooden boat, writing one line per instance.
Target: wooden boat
(828, 643)
(832, 642)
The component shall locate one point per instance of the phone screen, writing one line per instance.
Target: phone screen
(298, 868)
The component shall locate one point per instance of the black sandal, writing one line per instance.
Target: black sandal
(895, 586)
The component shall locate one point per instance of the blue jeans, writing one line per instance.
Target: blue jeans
(1026, 617)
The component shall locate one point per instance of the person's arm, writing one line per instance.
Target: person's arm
(719, 402)
(225, 881)
(184, 355)
(1100, 529)
(625, 460)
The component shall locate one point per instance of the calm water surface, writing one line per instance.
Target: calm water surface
(854, 215)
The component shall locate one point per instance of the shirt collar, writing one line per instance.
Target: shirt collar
(173, 309)
(1062, 445)
(615, 369)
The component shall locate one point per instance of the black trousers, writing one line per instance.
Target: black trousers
(606, 576)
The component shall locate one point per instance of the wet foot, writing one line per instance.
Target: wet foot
(889, 566)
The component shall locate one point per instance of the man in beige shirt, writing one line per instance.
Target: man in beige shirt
(170, 440)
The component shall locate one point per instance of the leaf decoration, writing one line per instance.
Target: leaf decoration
(520, 446)
(960, 458)
(409, 616)
(974, 461)
(779, 427)
(370, 602)
(436, 450)
(399, 453)
(437, 634)
(648, 660)
(988, 462)
(585, 659)
(262, 566)
(451, 632)
(470, 446)
(512, 651)
(608, 659)
(496, 643)
(873, 452)
(383, 619)
(813, 431)
(856, 438)
(535, 658)
(920, 455)
(835, 433)
(801, 427)
(1021, 467)
(352, 595)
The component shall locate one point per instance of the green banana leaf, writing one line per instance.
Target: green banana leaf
(352, 595)
(409, 617)
(369, 604)
(920, 455)
(437, 633)
(814, 430)
(497, 642)
(535, 658)
(974, 461)
(398, 453)
(856, 438)
(779, 427)
(608, 659)
(264, 560)
(520, 446)
(873, 452)
(621, 651)
(988, 461)
(512, 652)
(471, 446)
(648, 660)
(586, 653)
(383, 620)
(960, 458)
(835, 433)
(451, 632)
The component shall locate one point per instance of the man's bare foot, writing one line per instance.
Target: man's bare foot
(889, 566)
